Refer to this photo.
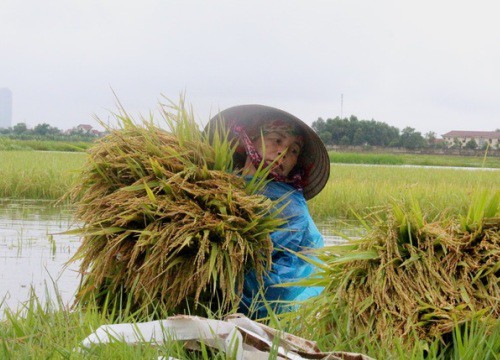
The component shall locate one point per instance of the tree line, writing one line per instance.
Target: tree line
(347, 131)
(45, 131)
(355, 132)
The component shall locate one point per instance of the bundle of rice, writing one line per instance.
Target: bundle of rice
(166, 224)
(410, 276)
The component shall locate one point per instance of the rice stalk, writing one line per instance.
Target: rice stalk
(411, 275)
(167, 224)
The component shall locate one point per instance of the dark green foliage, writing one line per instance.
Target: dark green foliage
(355, 132)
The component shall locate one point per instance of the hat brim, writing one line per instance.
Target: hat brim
(314, 156)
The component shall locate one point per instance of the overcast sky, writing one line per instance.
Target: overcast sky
(433, 65)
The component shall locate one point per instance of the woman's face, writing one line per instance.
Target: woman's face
(276, 143)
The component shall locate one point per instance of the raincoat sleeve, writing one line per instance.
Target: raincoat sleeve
(298, 234)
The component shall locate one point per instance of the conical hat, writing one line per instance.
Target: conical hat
(313, 156)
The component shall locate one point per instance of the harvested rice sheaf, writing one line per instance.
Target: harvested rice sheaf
(166, 229)
(410, 276)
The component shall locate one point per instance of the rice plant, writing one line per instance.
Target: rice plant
(49, 330)
(37, 175)
(168, 226)
(358, 189)
(484, 161)
(413, 277)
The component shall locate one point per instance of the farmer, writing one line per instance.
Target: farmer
(300, 168)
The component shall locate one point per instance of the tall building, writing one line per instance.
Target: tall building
(5, 108)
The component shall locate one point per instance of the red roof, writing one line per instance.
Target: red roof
(85, 127)
(473, 134)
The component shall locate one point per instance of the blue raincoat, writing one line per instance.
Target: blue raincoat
(299, 233)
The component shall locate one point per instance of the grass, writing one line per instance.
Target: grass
(473, 341)
(414, 159)
(43, 145)
(351, 188)
(358, 189)
(51, 331)
(37, 175)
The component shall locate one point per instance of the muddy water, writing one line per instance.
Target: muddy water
(34, 252)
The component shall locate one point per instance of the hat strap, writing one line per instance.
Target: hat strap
(256, 159)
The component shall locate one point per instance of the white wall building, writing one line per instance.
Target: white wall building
(480, 137)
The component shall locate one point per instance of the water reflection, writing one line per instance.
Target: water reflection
(33, 252)
(337, 231)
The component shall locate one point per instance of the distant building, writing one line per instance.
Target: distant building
(481, 138)
(97, 133)
(86, 129)
(5, 108)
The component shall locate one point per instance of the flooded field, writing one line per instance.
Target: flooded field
(34, 251)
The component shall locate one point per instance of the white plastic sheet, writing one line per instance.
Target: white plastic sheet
(237, 336)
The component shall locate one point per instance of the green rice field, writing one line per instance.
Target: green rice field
(352, 189)
(360, 189)
(43, 145)
(49, 329)
(38, 174)
(483, 161)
